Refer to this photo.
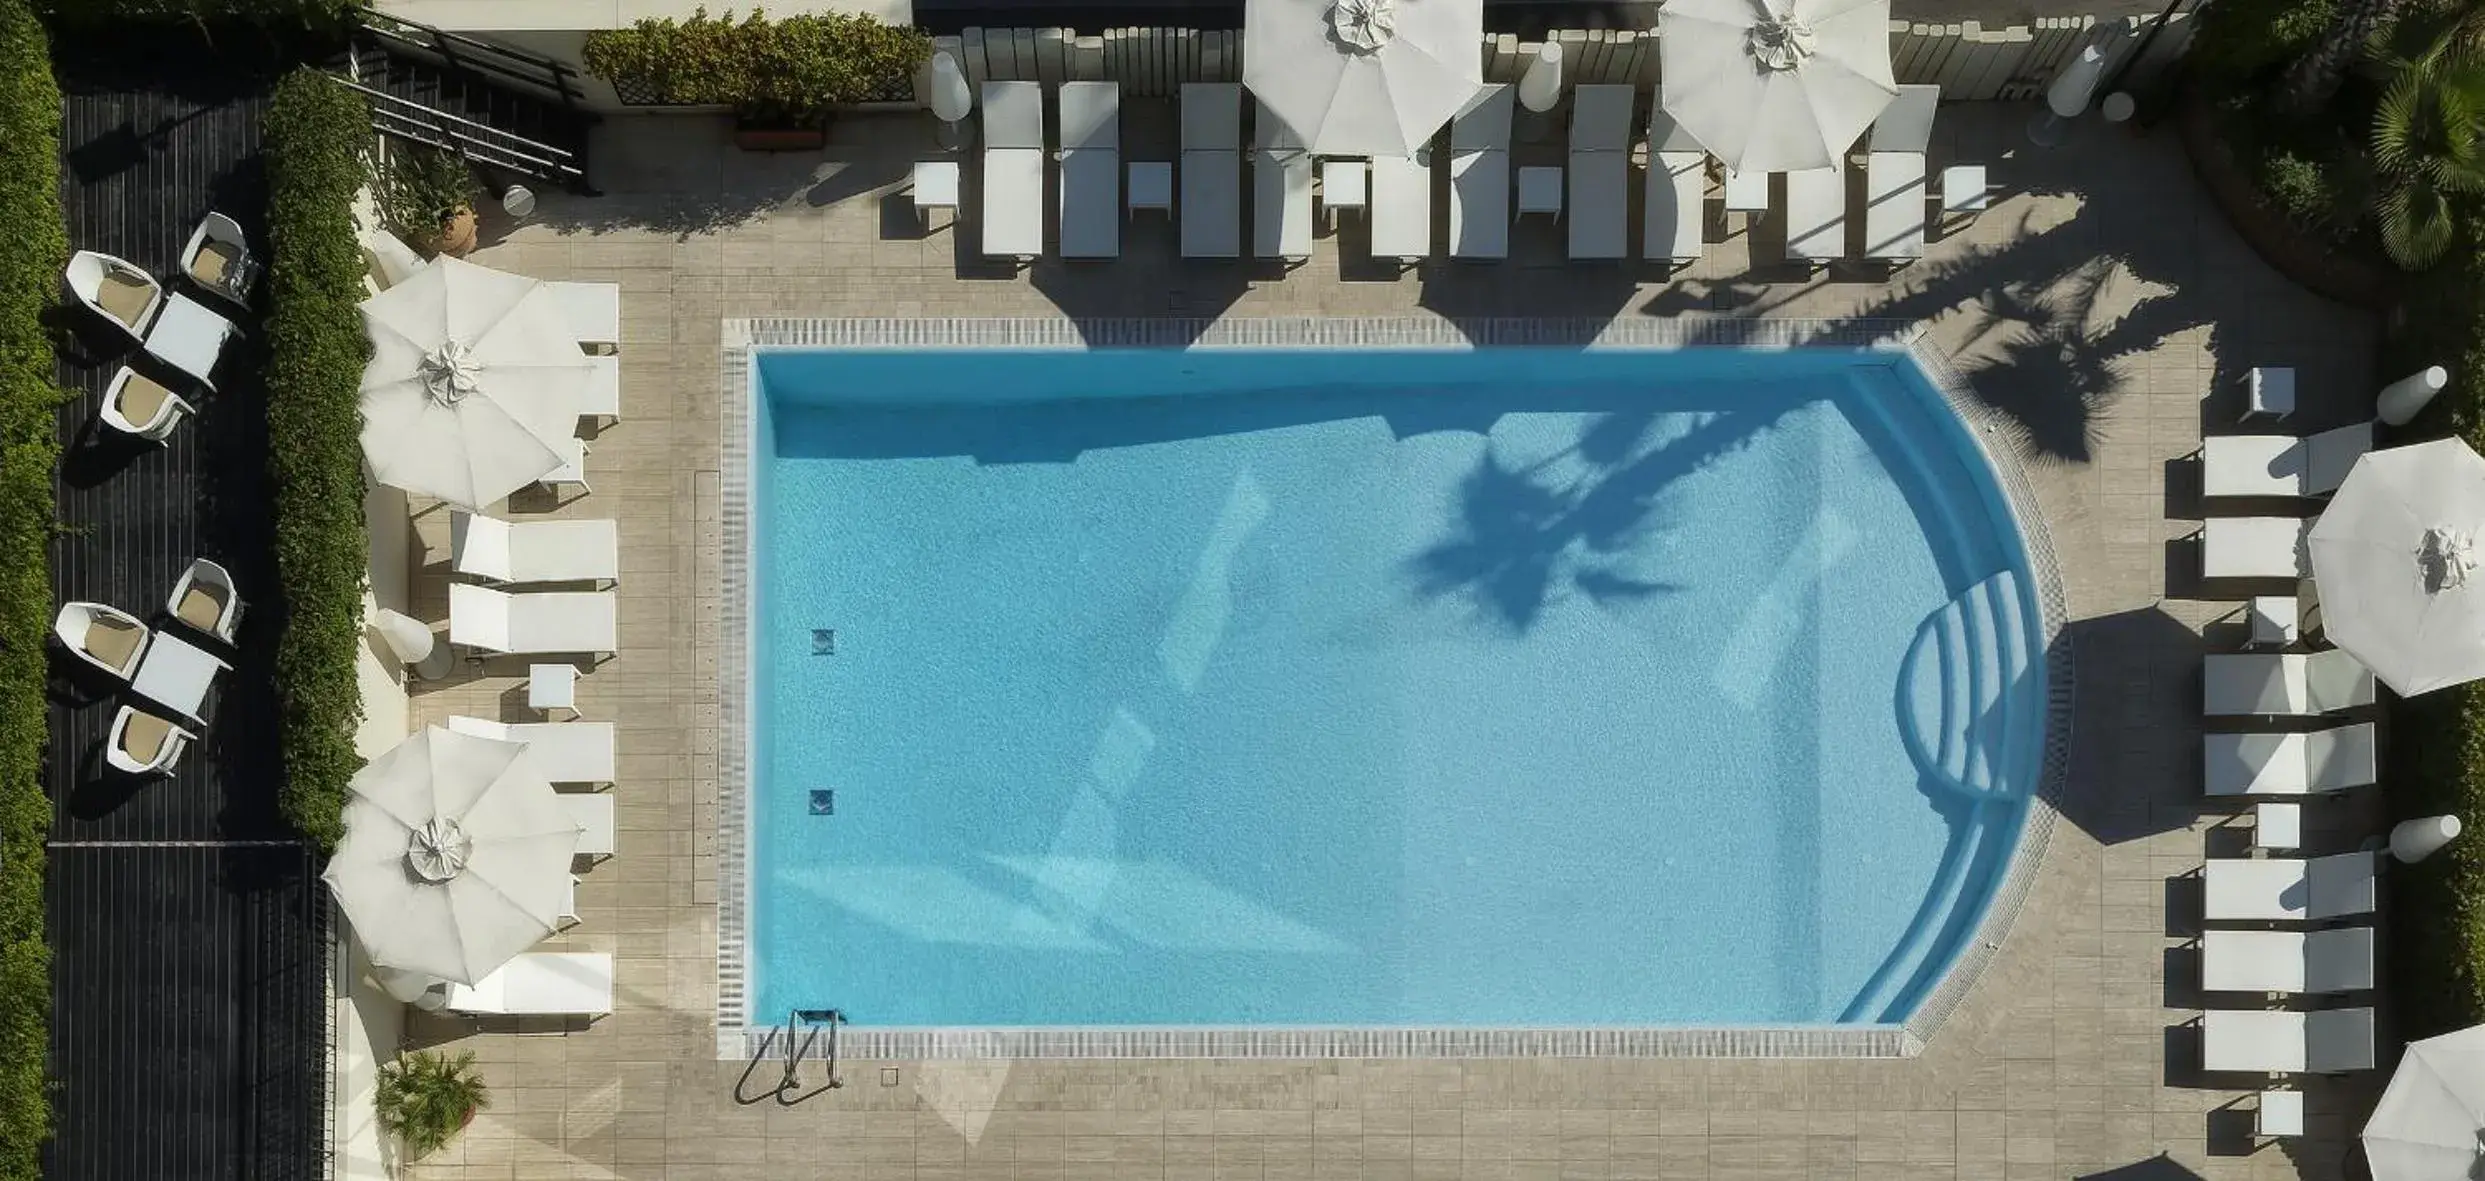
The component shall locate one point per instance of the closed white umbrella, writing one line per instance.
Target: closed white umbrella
(2395, 557)
(1775, 85)
(474, 384)
(1363, 77)
(456, 855)
(2429, 1121)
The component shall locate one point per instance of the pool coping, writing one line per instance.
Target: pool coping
(738, 1038)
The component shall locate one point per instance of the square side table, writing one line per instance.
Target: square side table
(1343, 185)
(936, 187)
(551, 687)
(1540, 190)
(1151, 185)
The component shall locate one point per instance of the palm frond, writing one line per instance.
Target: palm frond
(2416, 224)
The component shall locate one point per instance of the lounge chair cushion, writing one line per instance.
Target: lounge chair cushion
(113, 642)
(144, 736)
(124, 296)
(142, 399)
(217, 265)
(201, 606)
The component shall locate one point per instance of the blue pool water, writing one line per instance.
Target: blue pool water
(1494, 688)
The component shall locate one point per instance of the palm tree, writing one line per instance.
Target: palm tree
(2429, 146)
(2314, 78)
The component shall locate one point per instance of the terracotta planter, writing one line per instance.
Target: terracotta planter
(764, 138)
(457, 234)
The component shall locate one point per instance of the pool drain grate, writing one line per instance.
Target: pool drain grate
(823, 641)
(823, 801)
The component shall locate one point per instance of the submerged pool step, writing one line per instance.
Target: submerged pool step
(1963, 686)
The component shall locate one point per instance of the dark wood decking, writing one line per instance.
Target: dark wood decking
(189, 926)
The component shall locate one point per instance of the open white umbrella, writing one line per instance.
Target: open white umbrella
(1363, 77)
(456, 855)
(1775, 85)
(2428, 1124)
(2395, 558)
(474, 383)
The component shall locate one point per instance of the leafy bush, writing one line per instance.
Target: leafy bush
(32, 249)
(789, 70)
(88, 14)
(2243, 39)
(316, 132)
(426, 1098)
(2299, 187)
(418, 187)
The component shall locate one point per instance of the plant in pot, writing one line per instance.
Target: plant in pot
(426, 1098)
(427, 197)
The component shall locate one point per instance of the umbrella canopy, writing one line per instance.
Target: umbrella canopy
(456, 855)
(2395, 559)
(1775, 85)
(474, 383)
(2429, 1121)
(1363, 77)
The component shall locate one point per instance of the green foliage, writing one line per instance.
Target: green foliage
(99, 14)
(2304, 190)
(789, 70)
(33, 248)
(316, 132)
(2240, 40)
(2429, 147)
(418, 187)
(425, 1098)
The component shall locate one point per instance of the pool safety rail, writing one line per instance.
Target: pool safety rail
(738, 1037)
(800, 1037)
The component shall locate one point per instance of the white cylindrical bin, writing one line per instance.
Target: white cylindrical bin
(1541, 86)
(2118, 107)
(2067, 98)
(951, 98)
(2401, 400)
(2414, 840)
(411, 640)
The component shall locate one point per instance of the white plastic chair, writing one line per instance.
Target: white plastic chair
(2282, 465)
(137, 405)
(564, 622)
(104, 636)
(115, 290)
(2338, 959)
(1600, 170)
(1211, 170)
(2287, 889)
(1895, 189)
(534, 551)
(1675, 213)
(1013, 169)
(206, 599)
(1091, 169)
(1480, 176)
(1816, 215)
(2262, 1041)
(2283, 684)
(2298, 764)
(144, 744)
(218, 260)
(1281, 190)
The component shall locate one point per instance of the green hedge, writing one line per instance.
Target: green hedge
(32, 251)
(90, 14)
(316, 132)
(792, 69)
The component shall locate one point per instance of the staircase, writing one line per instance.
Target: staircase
(501, 109)
(1969, 711)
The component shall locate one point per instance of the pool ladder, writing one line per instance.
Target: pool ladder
(788, 1091)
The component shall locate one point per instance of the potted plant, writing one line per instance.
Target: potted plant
(781, 78)
(427, 197)
(426, 1098)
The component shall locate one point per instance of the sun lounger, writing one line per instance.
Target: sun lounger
(2287, 889)
(2339, 959)
(601, 401)
(593, 311)
(2283, 684)
(1816, 215)
(563, 752)
(592, 811)
(1013, 180)
(534, 551)
(1480, 176)
(138, 405)
(204, 598)
(1091, 169)
(144, 744)
(218, 259)
(1401, 208)
(122, 294)
(541, 983)
(107, 637)
(1895, 193)
(2255, 547)
(544, 621)
(1600, 170)
(2259, 1041)
(2291, 764)
(1281, 190)
(1211, 170)
(2281, 465)
(1675, 212)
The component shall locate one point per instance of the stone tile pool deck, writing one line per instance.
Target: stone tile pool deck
(2101, 304)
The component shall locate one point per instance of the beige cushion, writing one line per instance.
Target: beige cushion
(125, 296)
(201, 606)
(113, 641)
(142, 400)
(143, 739)
(213, 263)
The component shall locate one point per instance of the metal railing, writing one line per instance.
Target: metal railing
(477, 143)
(456, 51)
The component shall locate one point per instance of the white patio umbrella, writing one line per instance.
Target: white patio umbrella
(2428, 1124)
(2395, 558)
(474, 383)
(1775, 85)
(1363, 77)
(456, 855)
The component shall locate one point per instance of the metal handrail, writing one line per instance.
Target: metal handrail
(465, 136)
(480, 55)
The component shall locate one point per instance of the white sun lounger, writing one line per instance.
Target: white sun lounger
(563, 752)
(2255, 547)
(1676, 207)
(583, 622)
(1211, 170)
(1480, 176)
(2281, 465)
(593, 812)
(2291, 764)
(1894, 170)
(2258, 1041)
(2287, 889)
(1401, 207)
(593, 311)
(1816, 214)
(1091, 169)
(1281, 190)
(534, 551)
(1013, 181)
(1600, 171)
(2283, 684)
(541, 983)
(2339, 959)
(602, 401)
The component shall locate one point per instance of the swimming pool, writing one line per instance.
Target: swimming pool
(1504, 688)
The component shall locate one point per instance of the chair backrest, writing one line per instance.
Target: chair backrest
(1667, 135)
(1270, 132)
(1211, 117)
(1600, 117)
(479, 615)
(479, 544)
(2337, 1040)
(1906, 125)
(1484, 125)
(1013, 115)
(1091, 116)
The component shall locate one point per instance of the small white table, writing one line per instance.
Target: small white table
(1747, 192)
(2269, 391)
(2278, 826)
(552, 687)
(1151, 185)
(2281, 1114)
(189, 337)
(1964, 189)
(176, 674)
(2273, 620)
(936, 187)
(1540, 190)
(1343, 185)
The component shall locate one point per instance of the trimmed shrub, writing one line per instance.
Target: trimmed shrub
(33, 248)
(2239, 40)
(316, 132)
(791, 70)
(92, 14)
